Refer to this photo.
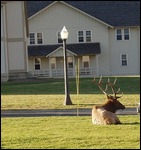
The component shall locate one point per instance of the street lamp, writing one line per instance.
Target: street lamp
(64, 35)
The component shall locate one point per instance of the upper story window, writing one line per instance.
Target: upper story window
(124, 61)
(80, 36)
(35, 38)
(39, 38)
(59, 38)
(119, 34)
(84, 36)
(37, 63)
(126, 34)
(32, 38)
(122, 34)
(88, 36)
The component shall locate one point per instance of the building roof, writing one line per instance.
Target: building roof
(78, 49)
(114, 13)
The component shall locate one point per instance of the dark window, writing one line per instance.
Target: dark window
(59, 38)
(124, 60)
(37, 63)
(119, 34)
(126, 34)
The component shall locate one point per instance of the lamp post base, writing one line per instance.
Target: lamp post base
(67, 101)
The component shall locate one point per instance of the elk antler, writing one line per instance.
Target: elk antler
(99, 85)
(108, 84)
(113, 89)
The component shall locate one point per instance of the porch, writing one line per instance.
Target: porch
(46, 73)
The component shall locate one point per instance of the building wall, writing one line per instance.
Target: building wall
(51, 20)
(129, 47)
(4, 62)
(14, 45)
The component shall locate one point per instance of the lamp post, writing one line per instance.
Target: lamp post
(64, 35)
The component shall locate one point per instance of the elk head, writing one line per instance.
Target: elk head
(112, 104)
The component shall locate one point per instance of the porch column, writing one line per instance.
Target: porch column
(50, 71)
(74, 64)
(97, 66)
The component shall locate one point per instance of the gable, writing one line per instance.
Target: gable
(114, 13)
(59, 7)
(59, 52)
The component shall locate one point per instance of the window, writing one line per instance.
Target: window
(88, 36)
(80, 36)
(37, 63)
(126, 34)
(53, 63)
(119, 34)
(124, 60)
(35, 38)
(70, 62)
(84, 36)
(39, 38)
(32, 38)
(86, 61)
(59, 38)
(122, 34)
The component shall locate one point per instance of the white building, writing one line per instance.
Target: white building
(13, 40)
(104, 35)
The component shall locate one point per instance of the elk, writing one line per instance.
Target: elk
(105, 114)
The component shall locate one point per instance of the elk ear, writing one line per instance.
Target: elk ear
(111, 98)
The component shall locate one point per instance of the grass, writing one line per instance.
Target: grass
(66, 132)
(69, 133)
(49, 93)
(129, 85)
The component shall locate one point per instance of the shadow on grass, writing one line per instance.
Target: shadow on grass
(131, 123)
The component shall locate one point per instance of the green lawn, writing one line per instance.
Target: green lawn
(75, 132)
(49, 93)
(129, 85)
(67, 132)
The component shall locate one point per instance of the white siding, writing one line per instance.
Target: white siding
(16, 53)
(16, 33)
(15, 23)
(13, 40)
(4, 63)
(129, 47)
(50, 21)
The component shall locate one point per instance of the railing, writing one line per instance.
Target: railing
(60, 72)
(39, 73)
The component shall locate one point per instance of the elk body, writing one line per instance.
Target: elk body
(105, 114)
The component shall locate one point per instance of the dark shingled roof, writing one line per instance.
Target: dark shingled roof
(78, 49)
(114, 13)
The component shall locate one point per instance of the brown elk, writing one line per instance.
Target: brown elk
(105, 114)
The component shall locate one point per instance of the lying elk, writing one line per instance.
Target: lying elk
(105, 114)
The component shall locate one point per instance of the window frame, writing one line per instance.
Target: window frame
(123, 34)
(36, 42)
(83, 65)
(84, 36)
(122, 60)
(53, 62)
(35, 63)
(59, 40)
(70, 62)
